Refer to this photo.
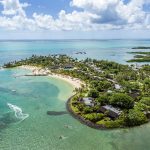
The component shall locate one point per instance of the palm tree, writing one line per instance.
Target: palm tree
(76, 90)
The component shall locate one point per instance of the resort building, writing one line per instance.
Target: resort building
(112, 111)
(88, 101)
(68, 66)
(117, 87)
(109, 91)
(56, 67)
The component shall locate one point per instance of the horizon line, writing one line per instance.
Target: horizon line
(75, 39)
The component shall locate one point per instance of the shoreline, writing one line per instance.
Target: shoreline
(76, 83)
(89, 123)
(81, 119)
(87, 107)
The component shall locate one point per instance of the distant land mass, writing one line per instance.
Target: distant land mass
(141, 47)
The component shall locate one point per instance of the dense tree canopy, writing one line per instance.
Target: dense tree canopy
(135, 118)
(122, 100)
(93, 93)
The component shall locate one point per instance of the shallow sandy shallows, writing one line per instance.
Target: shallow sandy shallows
(73, 81)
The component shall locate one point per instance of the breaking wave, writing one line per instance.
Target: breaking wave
(18, 112)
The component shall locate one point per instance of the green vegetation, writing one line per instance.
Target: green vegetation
(94, 117)
(140, 57)
(113, 96)
(135, 117)
(146, 101)
(108, 123)
(122, 100)
(93, 93)
(144, 53)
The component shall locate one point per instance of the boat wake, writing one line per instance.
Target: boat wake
(18, 112)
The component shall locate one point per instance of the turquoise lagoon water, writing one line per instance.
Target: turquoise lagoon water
(115, 50)
(35, 96)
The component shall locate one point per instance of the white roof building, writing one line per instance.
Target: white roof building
(117, 87)
(88, 101)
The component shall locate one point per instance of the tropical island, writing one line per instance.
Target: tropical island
(140, 57)
(112, 95)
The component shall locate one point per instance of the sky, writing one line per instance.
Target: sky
(74, 19)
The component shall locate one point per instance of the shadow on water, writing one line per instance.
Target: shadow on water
(7, 119)
(5, 90)
(114, 145)
(56, 113)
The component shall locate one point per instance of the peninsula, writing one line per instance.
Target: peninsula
(110, 95)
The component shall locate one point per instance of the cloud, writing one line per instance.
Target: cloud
(13, 7)
(114, 11)
(94, 15)
(71, 21)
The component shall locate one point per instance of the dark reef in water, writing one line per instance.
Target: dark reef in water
(56, 113)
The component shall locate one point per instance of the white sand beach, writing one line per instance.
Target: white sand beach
(74, 81)
(37, 70)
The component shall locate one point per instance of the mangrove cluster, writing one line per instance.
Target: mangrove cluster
(140, 57)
